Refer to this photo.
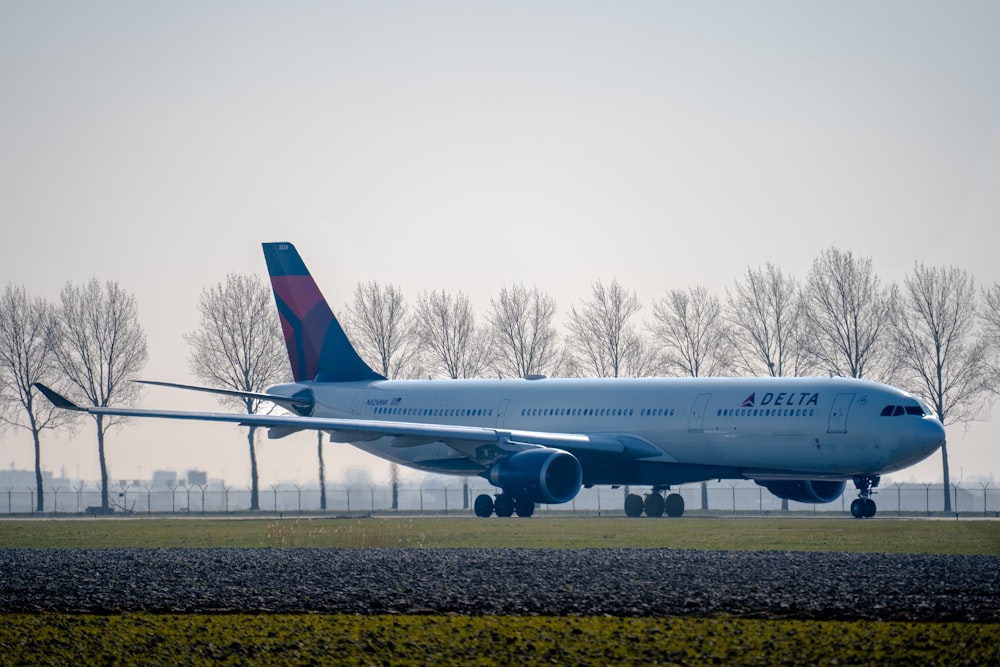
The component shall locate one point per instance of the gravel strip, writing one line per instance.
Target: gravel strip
(617, 582)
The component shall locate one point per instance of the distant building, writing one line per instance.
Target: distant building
(197, 478)
(165, 478)
(22, 479)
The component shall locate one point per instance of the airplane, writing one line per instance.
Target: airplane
(540, 440)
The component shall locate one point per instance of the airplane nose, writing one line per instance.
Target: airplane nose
(930, 434)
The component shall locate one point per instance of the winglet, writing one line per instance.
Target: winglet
(58, 399)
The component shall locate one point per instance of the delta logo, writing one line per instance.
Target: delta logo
(784, 399)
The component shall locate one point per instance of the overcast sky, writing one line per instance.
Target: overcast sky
(469, 145)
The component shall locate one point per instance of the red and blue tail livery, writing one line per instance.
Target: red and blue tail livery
(318, 349)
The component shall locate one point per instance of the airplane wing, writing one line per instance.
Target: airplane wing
(482, 445)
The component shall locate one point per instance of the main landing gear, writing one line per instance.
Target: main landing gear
(863, 507)
(654, 504)
(505, 505)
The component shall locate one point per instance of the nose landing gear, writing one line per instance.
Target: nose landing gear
(863, 507)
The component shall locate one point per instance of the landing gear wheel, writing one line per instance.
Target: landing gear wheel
(863, 507)
(674, 505)
(869, 508)
(483, 505)
(504, 505)
(633, 505)
(653, 504)
(524, 507)
(858, 508)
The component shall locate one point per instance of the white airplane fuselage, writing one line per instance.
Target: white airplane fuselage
(683, 429)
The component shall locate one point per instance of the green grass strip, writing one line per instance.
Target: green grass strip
(238, 639)
(800, 534)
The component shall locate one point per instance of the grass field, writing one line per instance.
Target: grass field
(239, 639)
(801, 534)
(284, 639)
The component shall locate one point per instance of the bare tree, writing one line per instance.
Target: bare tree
(764, 323)
(387, 336)
(690, 328)
(239, 346)
(394, 483)
(100, 348)
(991, 333)
(27, 357)
(941, 357)
(640, 358)
(524, 339)
(384, 329)
(602, 340)
(454, 345)
(848, 314)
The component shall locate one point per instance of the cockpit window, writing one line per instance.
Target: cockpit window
(898, 410)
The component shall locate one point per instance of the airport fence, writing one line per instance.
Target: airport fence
(216, 498)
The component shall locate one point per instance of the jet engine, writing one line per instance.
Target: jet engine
(544, 475)
(805, 490)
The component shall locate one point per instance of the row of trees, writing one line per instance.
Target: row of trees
(937, 336)
(89, 345)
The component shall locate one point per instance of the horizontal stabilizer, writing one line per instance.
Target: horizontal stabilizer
(293, 403)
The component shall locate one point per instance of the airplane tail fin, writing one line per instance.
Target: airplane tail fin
(318, 348)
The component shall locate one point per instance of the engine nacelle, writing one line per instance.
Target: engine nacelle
(545, 475)
(805, 490)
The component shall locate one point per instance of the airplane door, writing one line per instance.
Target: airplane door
(838, 414)
(696, 422)
(502, 412)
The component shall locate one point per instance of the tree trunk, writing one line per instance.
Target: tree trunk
(322, 471)
(40, 506)
(394, 478)
(947, 485)
(254, 497)
(105, 505)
